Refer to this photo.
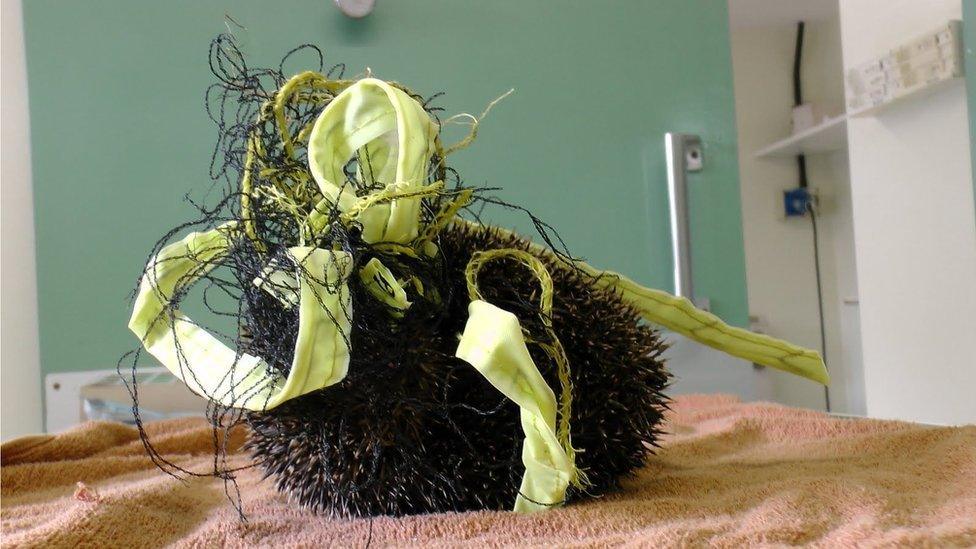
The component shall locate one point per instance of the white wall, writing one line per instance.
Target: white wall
(779, 252)
(19, 360)
(913, 207)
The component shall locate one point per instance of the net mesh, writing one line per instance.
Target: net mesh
(411, 428)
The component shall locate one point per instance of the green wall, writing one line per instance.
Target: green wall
(119, 133)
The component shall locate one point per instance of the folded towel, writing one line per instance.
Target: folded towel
(728, 474)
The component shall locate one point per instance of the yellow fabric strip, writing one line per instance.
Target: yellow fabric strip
(550, 343)
(384, 286)
(492, 342)
(395, 138)
(280, 284)
(208, 366)
(679, 315)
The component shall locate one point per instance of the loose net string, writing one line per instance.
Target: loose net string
(261, 181)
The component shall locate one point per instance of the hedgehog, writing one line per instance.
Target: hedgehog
(394, 355)
(427, 432)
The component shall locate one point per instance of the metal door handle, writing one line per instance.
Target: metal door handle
(683, 153)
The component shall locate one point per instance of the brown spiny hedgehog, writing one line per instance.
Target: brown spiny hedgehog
(413, 429)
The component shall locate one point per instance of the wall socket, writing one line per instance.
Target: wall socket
(799, 200)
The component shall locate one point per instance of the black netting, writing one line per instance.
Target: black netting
(411, 428)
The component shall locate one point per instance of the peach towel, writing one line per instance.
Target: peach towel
(730, 474)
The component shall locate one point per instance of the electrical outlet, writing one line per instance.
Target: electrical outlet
(798, 201)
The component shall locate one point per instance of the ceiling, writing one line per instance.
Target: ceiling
(763, 13)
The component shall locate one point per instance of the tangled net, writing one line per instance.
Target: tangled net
(411, 428)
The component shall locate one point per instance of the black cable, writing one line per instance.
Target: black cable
(820, 303)
(797, 54)
(801, 160)
(801, 163)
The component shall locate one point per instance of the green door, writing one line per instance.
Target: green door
(119, 131)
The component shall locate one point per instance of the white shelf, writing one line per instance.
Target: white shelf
(829, 136)
(920, 90)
